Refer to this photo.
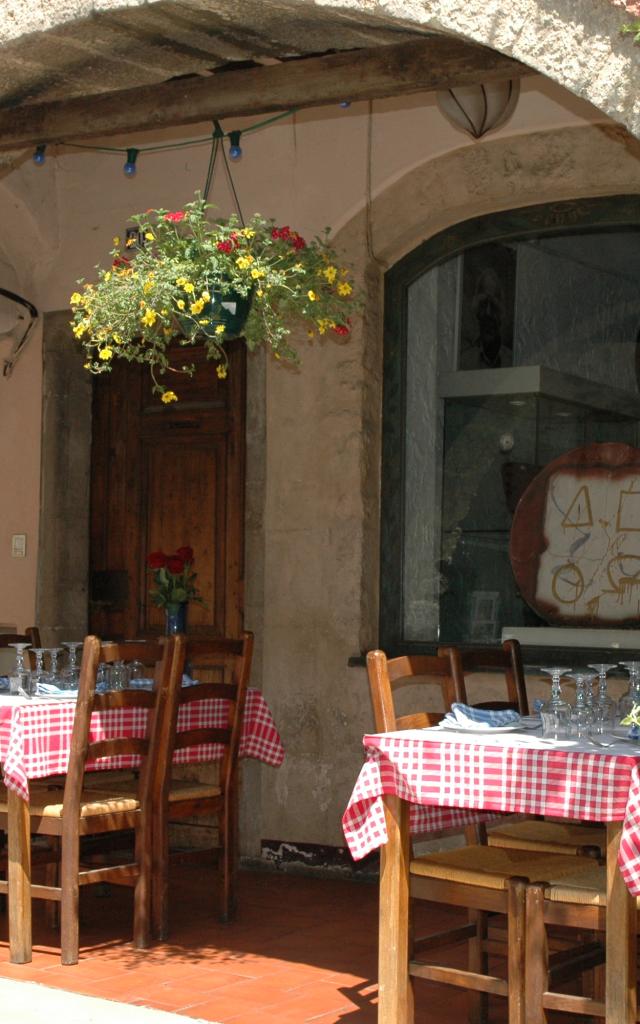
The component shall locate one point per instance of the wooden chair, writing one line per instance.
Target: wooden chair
(553, 837)
(483, 879)
(74, 811)
(222, 667)
(579, 902)
(30, 636)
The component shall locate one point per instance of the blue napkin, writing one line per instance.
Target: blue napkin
(463, 716)
(50, 690)
(4, 684)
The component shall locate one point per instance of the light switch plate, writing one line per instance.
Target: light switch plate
(19, 545)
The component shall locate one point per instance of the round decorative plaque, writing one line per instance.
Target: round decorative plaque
(575, 538)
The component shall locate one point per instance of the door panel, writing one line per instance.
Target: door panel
(164, 477)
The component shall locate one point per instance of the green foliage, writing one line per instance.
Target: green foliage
(188, 274)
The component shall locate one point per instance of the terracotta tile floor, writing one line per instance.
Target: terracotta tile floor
(300, 950)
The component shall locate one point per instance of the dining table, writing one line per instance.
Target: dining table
(415, 781)
(35, 738)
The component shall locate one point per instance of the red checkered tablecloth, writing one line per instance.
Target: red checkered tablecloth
(445, 782)
(35, 735)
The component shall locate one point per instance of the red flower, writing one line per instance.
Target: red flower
(340, 329)
(176, 217)
(186, 554)
(156, 560)
(175, 564)
(120, 262)
(224, 246)
(298, 242)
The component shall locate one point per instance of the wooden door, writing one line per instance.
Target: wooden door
(163, 477)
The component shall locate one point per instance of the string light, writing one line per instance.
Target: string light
(235, 151)
(130, 166)
(39, 156)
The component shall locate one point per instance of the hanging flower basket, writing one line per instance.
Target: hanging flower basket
(203, 282)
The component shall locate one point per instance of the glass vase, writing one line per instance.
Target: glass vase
(175, 617)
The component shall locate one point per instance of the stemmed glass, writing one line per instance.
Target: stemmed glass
(38, 674)
(632, 696)
(604, 707)
(53, 652)
(21, 674)
(582, 716)
(556, 712)
(71, 674)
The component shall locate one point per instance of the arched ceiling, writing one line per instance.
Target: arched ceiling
(57, 50)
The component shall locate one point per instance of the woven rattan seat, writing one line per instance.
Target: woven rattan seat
(492, 866)
(548, 836)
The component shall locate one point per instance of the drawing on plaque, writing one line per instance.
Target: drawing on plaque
(575, 538)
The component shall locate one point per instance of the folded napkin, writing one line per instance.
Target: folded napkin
(463, 716)
(141, 684)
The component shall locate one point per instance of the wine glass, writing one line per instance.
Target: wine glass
(54, 653)
(604, 707)
(119, 676)
(632, 696)
(71, 674)
(556, 712)
(38, 675)
(20, 677)
(582, 716)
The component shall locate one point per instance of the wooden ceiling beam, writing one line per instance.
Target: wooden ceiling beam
(426, 64)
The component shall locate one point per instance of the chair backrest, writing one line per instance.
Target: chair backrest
(167, 660)
(6, 639)
(222, 668)
(387, 676)
(505, 661)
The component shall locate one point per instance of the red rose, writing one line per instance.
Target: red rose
(175, 218)
(156, 560)
(186, 554)
(298, 242)
(340, 329)
(224, 246)
(175, 564)
(120, 262)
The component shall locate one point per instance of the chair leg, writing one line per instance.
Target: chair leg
(537, 956)
(70, 898)
(160, 878)
(52, 878)
(228, 859)
(516, 959)
(478, 962)
(143, 891)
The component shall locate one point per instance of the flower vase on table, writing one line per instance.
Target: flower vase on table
(175, 586)
(175, 618)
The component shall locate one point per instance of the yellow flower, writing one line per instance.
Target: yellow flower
(131, 241)
(147, 287)
(80, 328)
(149, 235)
(257, 273)
(107, 276)
(189, 288)
(169, 396)
(180, 303)
(244, 262)
(205, 321)
(116, 239)
(117, 339)
(181, 281)
(149, 318)
(221, 371)
(86, 366)
(205, 296)
(220, 329)
(197, 307)
(344, 288)
(330, 273)
(76, 299)
(259, 293)
(247, 232)
(298, 266)
(105, 353)
(311, 295)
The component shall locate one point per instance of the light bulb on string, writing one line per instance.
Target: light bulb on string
(130, 166)
(235, 150)
(39, 156)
